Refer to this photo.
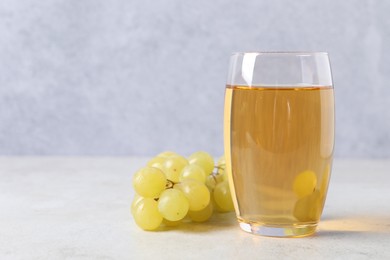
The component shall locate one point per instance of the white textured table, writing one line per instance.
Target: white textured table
(78, 208)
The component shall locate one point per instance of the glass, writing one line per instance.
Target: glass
(279, 139)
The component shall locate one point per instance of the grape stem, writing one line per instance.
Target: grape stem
(215, 173)
(170, 184)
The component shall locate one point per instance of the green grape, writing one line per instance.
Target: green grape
(204, 160)
(137, 198)
(223, 197)
(166, 154)
(201, 215)
(173, 205)
(221, 160)
(173, 166)
(220, 177)
(146, 214)
(211, 182)
(194, 172)
(215, 205)
(156, 162)
(149, 182)
(305, 183)
(221, 165)
(308, 208)
(196, 192)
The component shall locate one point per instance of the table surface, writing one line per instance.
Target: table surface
(78, 208)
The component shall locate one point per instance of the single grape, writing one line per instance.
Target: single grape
(166, 154)
(223, 197)
(204, 160)
(222, 174)
(156, 162)
(173, 166)
(215, 205)
(196, 192)
(149, 182)
(221, 165)
(146, 214)
(194, 172)
(221, 160)
(224, 177)
(220, 178)
(308, 208)
(201, 215)
(173, 205)
(137, 198)
(305, 183)
(211, 182)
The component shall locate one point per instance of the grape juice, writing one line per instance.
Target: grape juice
(272, 136)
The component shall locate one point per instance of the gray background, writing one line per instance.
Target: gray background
(139, 77)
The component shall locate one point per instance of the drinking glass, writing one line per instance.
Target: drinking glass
(279, 139)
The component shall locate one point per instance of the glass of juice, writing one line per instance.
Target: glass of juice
(279, 139)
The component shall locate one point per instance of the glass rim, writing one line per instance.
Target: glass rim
(296, 53)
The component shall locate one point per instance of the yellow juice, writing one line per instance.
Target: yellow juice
(279, 149)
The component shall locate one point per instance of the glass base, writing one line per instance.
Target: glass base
(279, 231)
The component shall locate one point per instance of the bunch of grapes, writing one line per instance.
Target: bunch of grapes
(172, 188)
